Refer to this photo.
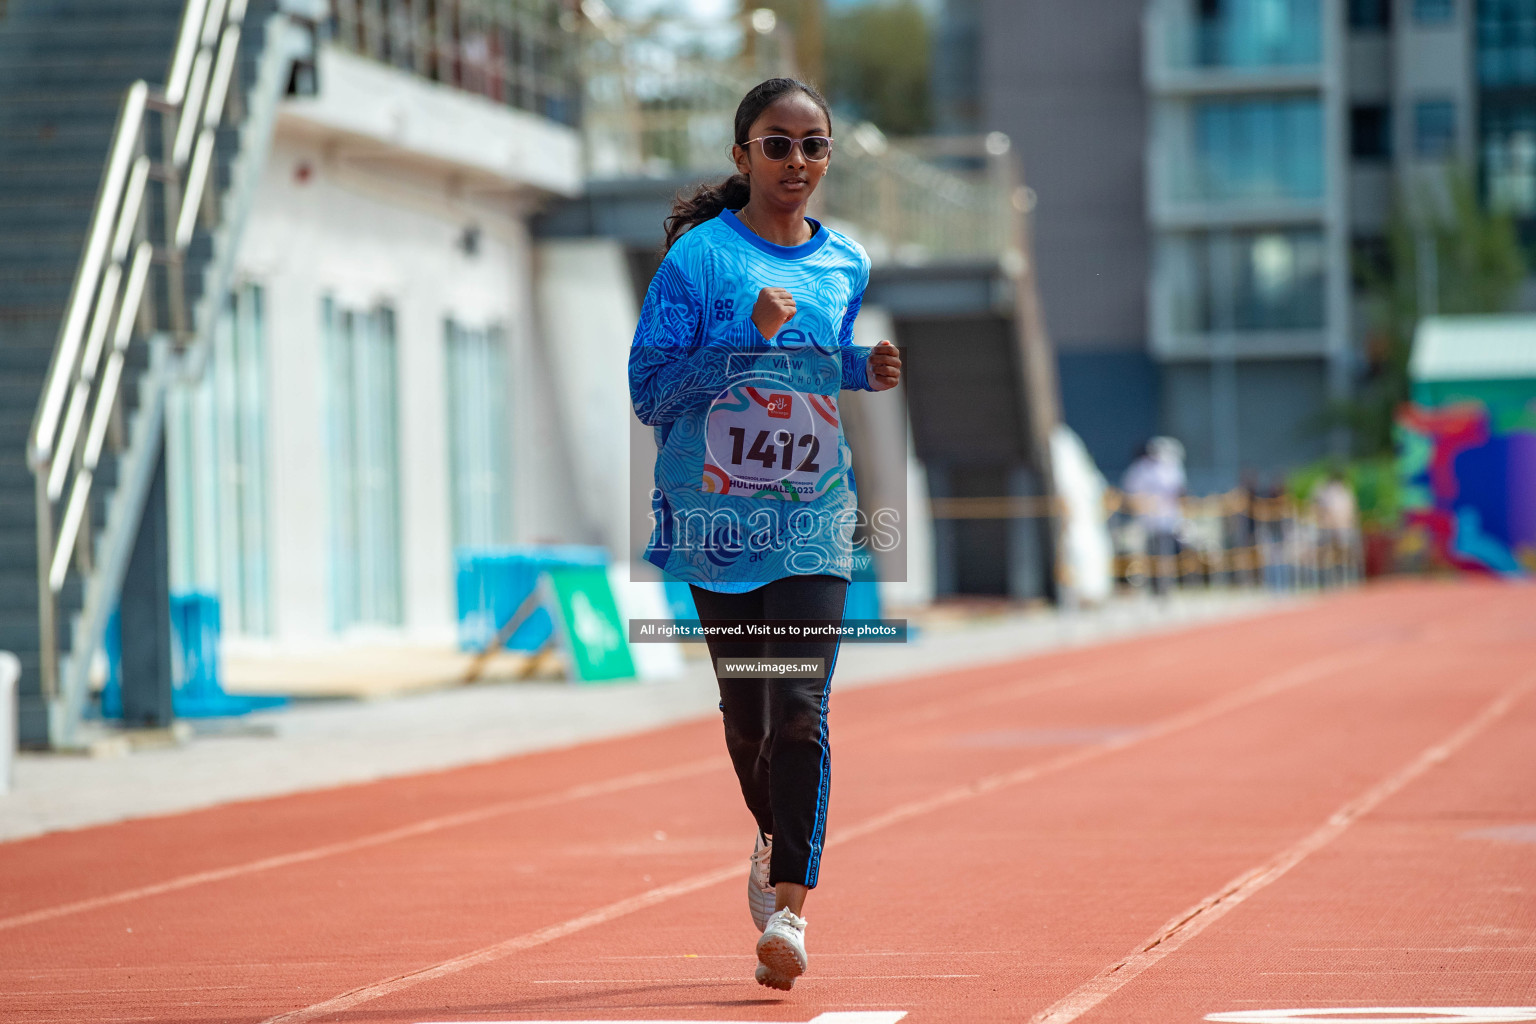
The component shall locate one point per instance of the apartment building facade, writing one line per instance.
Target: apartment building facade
(1209, 174)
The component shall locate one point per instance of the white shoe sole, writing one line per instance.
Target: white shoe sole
(779, 962)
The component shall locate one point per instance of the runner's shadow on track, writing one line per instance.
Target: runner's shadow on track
(611, 1000)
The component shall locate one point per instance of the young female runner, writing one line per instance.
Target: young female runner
(745, 340)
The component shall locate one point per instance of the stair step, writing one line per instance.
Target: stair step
(150, 44)
(60, 9)
(97, 18)
(18, 634)
(45, 213)
(18, 594)
(68, 71)
(19, 249)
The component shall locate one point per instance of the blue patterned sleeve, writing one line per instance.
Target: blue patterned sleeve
(673, 365)
(855, 357)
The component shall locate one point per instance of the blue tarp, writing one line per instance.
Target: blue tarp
(492, 583)
(195, 669)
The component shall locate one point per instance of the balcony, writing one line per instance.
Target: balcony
(522, 55)
(1195, 47)
(1235, 161)
(1240, 294)
(659, 103)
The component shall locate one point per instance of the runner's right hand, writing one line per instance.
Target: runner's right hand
(774, 308)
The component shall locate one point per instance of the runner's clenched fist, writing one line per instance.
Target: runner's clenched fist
(774, 308)
(884, 367)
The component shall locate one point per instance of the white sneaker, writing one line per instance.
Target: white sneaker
(781, 951)
(760, 894)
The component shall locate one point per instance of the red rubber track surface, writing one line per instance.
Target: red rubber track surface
(1330, 806)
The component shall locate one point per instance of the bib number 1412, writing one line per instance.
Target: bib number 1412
(780, 451)
(772, 443)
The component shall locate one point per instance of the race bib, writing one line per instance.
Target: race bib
(768, 441)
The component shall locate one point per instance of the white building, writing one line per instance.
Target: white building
(405, 372)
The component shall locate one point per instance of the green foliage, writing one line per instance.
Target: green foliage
(872, 58)
(1378, 494)
(877, 64)
(1447, 247)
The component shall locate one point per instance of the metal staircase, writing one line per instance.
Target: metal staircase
(121, 203)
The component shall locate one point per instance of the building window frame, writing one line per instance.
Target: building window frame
(240, 377)
(363, 403)
(1370, 132)
(1370, 15)
(1434, 13)
(1435, 128)
(1506, 44)
(475, 362)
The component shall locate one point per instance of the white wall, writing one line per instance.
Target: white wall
(587, 313)
(372, 104)
(366, 231)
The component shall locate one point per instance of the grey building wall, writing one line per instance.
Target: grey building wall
(1064, 82)
(1280, 407)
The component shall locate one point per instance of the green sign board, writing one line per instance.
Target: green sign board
(588, 623)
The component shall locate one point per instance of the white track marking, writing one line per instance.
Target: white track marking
(1269, 686)
(933, 709)
(843, 1017)
(1357, 1015)
(1218, 904)
(419, 828)
(1304, 673)
(736, 979)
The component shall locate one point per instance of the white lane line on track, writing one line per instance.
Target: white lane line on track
(934, 709)
(419, 828)
(1223, 901)
(821, 954)
(736, 978)
(1288, 679)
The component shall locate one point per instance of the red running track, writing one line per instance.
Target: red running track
(1327, 807)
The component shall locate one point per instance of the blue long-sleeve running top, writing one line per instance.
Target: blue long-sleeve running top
(754, 480)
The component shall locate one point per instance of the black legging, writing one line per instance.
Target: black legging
(776, 728)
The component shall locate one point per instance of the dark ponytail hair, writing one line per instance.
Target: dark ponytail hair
(707, 201)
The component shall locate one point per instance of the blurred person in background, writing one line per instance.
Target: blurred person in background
(744, 342)
(1154, 487)
(1245, 528)
(1334, 506)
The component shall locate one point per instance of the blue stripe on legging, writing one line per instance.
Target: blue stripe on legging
(814, 866)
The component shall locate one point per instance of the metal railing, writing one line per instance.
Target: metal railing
(1231, 539)
(113, 297)
(659, 102)
(1237, 539)
(522, 53)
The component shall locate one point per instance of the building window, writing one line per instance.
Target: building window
(1370, 132)
(1257, 33)
(1506, 42)
(477, 435)
(1434, 129)
(239, 365)
(1368, 15)
(1246, 280)
(1257, 150)
(1509, 158)
(216, 471)
(1434, 12)
(364, 466)
(1370, 262)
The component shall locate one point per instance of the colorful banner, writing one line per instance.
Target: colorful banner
(1467, 459)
